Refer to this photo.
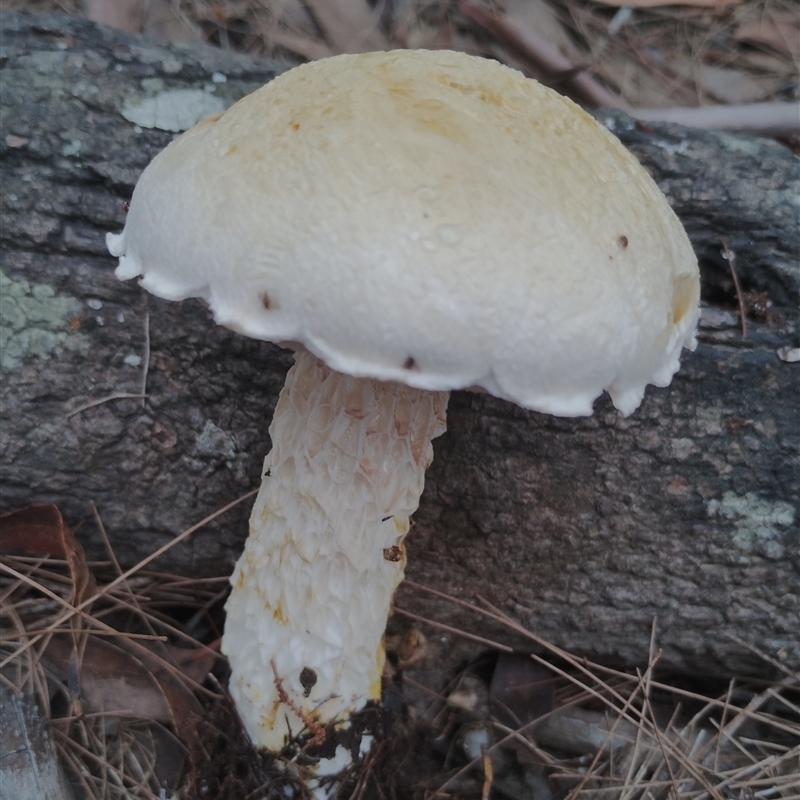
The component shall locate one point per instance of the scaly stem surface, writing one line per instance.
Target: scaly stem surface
(313, 588)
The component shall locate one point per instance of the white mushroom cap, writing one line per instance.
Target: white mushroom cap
(425, 217)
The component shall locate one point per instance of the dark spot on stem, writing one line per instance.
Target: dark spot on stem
(393, 553)
(265, 300)
(623, 241)
(308, 679)
(410, 363)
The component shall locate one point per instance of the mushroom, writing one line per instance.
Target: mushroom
(411, 223)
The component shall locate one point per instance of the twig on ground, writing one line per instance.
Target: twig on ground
(667, 760)
(108, 399)
(758, 119)
(488, 642)
(730, 257)
(795, 676)
(146, 357)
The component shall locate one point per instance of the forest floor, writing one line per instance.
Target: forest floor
(461, 718)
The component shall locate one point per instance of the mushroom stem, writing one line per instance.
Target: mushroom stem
(313, 588)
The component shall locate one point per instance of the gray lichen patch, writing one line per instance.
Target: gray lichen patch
(33, 319)
(757, 522)
(709, 420)
(174, 110)
(44, 62)
(214, 442)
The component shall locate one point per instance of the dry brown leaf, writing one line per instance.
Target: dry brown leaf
(125, 677)
(194, 662)
(183, 705)
(780, 34)
(640, 87)
(296, 17)
(767, 63)
(127, 15)
(540, 17)
(736, 86)
(521, 691)
(164, 21)
(350, 26)
(307, 48)
(40, 530)
(111, 680)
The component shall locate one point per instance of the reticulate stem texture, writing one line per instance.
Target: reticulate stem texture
(312, 590)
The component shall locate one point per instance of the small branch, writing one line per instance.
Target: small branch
(665, 755)
(146, 358)
(108, 399)
(458, 632)
(730, 257)
(758, 119)
(793, 676)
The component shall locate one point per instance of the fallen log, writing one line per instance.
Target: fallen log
(584, 530)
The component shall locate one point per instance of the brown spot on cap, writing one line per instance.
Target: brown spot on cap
(623, 241)
(266, 301)
(410, 363)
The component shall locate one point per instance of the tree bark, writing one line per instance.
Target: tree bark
(583, 530)
(29, 768)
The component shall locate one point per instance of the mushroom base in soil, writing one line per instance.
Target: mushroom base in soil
(413, 222)
(313, 588)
